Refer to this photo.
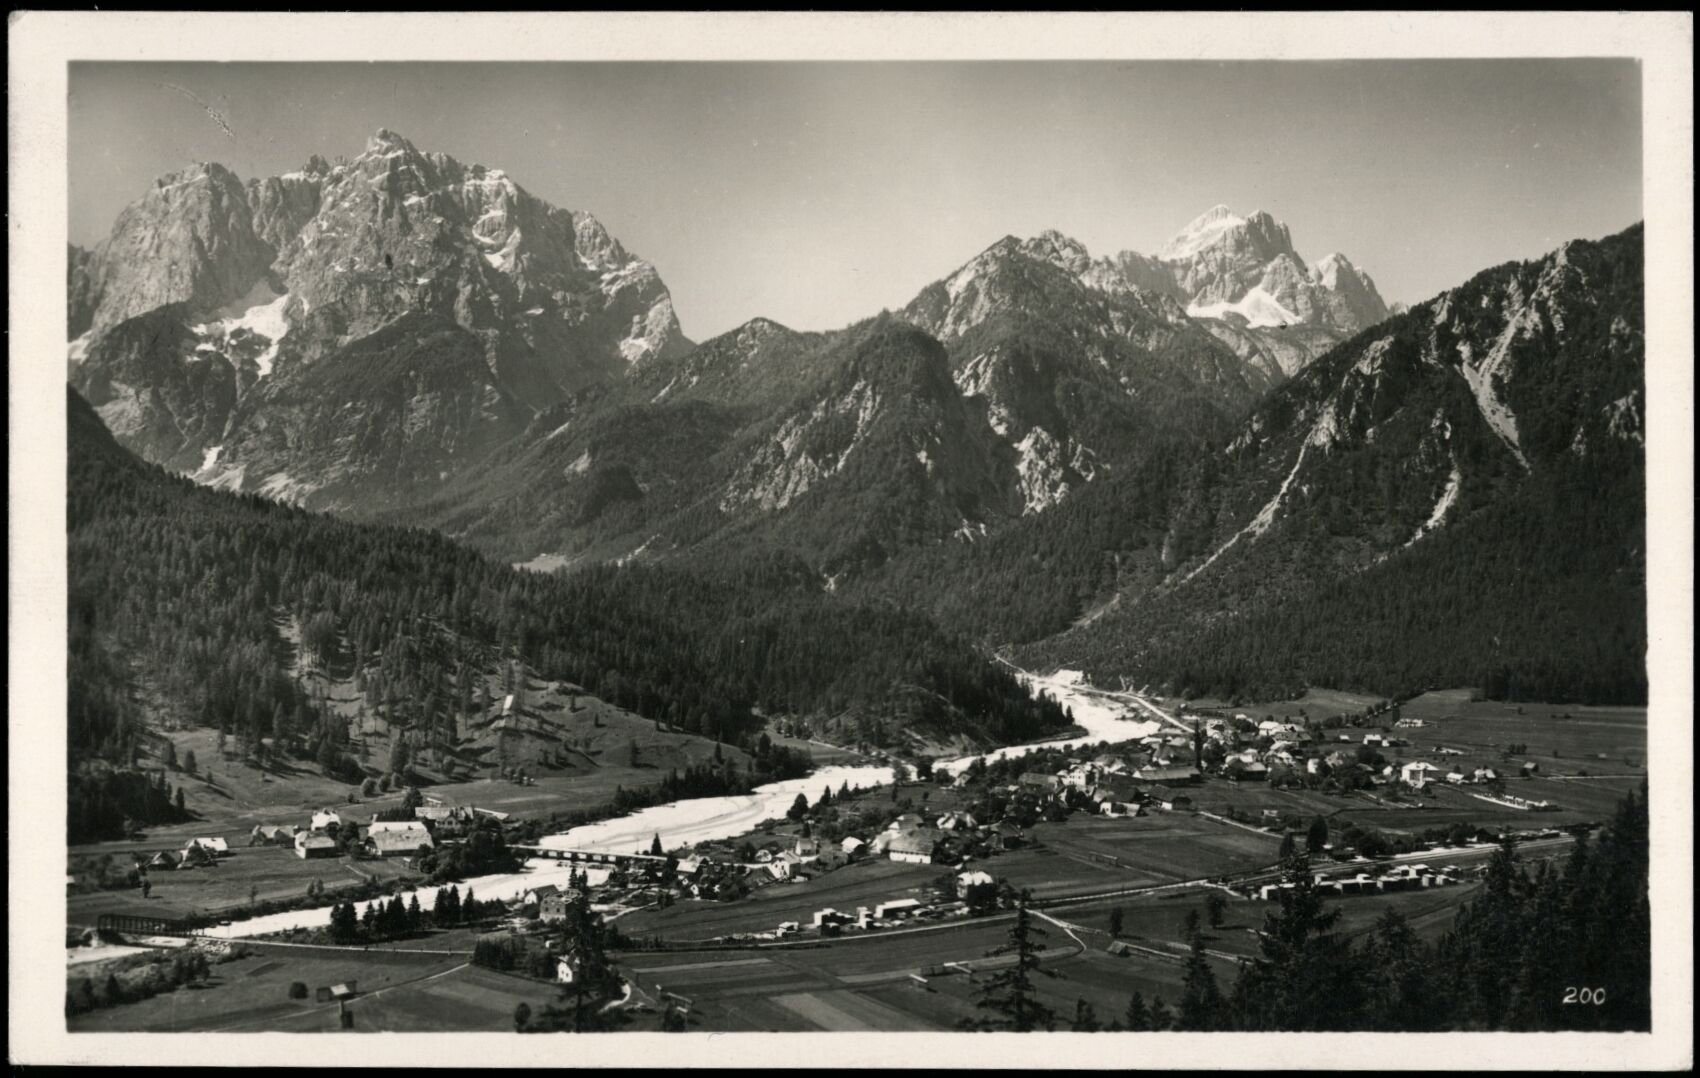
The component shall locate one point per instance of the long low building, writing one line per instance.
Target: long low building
(397, 839)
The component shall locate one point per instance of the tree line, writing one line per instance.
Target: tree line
(1563, 948)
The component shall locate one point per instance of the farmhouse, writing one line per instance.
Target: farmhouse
(1117, 796)
(554, 907)
(218, 847)
(915, 847)
(325, 818)
(313, 844)
(1166, 774)
(393, 839)
(272, 835)
(568, 968)
(1040, 781)
(966, 880)
(957, 821)
(1417, 773)
(536, 895)
(831, 857)
(852, 845)
(163, 859)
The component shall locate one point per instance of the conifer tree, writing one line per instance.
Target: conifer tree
(1010, 993)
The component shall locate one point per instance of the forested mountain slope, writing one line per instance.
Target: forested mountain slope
(1455, 496)
(176, 590)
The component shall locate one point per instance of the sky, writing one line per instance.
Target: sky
(817, 194)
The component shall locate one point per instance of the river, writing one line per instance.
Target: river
(705, 819)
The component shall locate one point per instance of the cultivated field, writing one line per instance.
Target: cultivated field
(273, 871)
(252, 994)
(1087, 853)
(1314, 704)
(865, 883)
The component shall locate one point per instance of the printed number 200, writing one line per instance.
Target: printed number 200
(1595, 996)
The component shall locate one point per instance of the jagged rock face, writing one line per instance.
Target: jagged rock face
(883, 453)
(1475, 457)
(1524, 370)
(1246, 271)
(269, 281)
(1080, 367)
(152, 387)
(79, 290)
(189, 240)
(1220, 255)
(395, 415)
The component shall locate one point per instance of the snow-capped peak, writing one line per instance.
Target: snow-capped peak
(1202, 232)
(1327, 270)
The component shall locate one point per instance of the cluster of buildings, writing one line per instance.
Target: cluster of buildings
(195, 853)
(1397, 878)
(377, 838)
(1282, 752)
(1113, 785)
(830, 922)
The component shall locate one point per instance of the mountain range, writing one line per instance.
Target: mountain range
(1099, 460)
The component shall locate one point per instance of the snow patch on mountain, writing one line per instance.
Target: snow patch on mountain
(79, 348)
(261, 312)
(1204, 231)
(1257, 307)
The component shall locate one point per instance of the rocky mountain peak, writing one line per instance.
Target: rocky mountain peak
(1058, 249)
(1201, 232)
(489, 302)
(385, 141)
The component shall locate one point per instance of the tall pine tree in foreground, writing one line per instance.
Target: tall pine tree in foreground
(1009, 994)
(1305, 975)
(1201, 1000)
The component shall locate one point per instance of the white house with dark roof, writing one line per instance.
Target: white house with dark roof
(1418, 773)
